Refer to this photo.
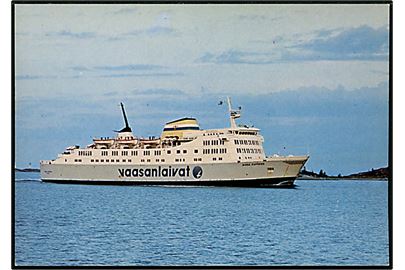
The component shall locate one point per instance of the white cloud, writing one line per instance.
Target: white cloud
(174, 36)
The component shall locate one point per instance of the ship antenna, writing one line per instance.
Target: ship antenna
(126, 128)
(233, 114)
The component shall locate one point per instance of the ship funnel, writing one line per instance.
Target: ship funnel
(126, 128)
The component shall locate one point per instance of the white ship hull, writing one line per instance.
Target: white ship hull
(271, 172)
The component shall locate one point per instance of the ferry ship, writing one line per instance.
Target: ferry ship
(184, 154)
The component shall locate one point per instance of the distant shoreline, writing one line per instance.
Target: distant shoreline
(342, 178)
(27, 170)
(381, 174)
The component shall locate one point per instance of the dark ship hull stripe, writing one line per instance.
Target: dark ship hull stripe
(287, 182)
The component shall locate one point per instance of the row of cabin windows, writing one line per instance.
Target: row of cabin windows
(213, 133)
(135, 153)
(142, 160)
(242, 132)
(213, 142)
(85, 153)
(157, 160)
(247, 133)
(214, 151)
(117, 160)
(110, 160)
(246, 142)
(178, 152)
(248, 151)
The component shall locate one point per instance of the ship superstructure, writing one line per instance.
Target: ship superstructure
(184, 154)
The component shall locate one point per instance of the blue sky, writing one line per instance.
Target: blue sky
(314, 78)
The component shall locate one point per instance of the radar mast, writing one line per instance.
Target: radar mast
(233, 114)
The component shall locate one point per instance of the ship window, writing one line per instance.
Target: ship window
(117, 160)
(146, 153)
(214, 158)
(184, 151)
(96, 160)
(124, 153)
(66, 160)
(162, 160)
(169, 152)
(178, 152)
(112, 160)
(124, 160)
(195, 151)
(148, 160)
(102, 160)
(107, 160)
(219, 158)
(142, 160)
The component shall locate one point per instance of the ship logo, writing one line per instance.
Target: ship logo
(197, 172)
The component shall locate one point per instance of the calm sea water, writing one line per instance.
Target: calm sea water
(317, 223)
